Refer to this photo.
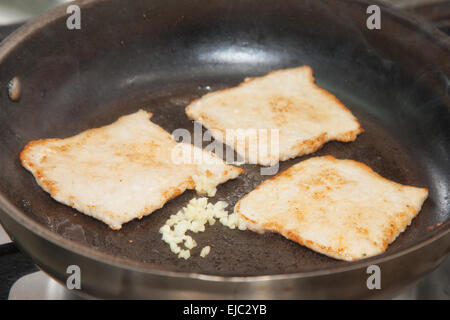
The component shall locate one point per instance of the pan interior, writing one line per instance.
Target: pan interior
(159, 58)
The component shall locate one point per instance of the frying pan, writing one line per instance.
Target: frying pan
(160, 55)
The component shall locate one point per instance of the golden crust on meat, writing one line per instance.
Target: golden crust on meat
(118, 172)
(340, 208)
(286, 100)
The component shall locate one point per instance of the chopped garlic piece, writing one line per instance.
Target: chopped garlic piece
(185, 254)
(174, 248)
(194, 218)
(189, 242)
(205, 185)
(205, 251)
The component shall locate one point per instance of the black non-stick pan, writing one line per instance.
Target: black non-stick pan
(159, 56)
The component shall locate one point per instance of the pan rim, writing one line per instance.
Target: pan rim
(128, 264)
(34, 26)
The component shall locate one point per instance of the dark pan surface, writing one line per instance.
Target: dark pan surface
(159, 59)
